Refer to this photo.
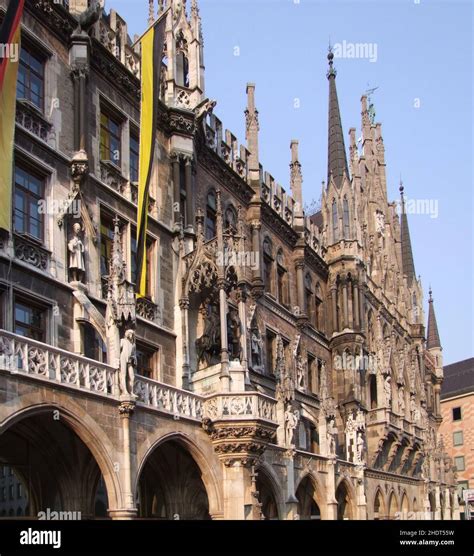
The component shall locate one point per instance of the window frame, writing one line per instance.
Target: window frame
(42, 328)
(112, 118)
(460, 413)
(454, 438)
(460, 458)
(134, 172)
(28, 196)
(25, 65)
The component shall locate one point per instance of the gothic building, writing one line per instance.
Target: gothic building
(278, 366)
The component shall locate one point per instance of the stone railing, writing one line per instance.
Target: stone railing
(30, 118)
(147, 309)
(23, 356)
(30, 251)
(111, 175)
(176, 402)
(245, 406)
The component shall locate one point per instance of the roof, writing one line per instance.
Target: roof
(458, 378)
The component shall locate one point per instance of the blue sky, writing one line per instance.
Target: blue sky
(424, 71)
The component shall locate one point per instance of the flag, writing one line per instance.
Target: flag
(9, 59)
(151, 51)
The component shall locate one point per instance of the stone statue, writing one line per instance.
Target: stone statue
(128, 363)
(89, 17)
(234, 332)
(256, 347)
(300, 373)
(208, 345)
(401, 401)
(291, 422)
(331, 438)
(388, 390)
(360, 448)
(76, 254)
(413, 409)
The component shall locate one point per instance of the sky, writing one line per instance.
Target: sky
(421, 60)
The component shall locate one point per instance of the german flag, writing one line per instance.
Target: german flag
(10, 31)
(151, 54)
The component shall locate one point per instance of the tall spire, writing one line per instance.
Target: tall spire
(337, 160)
(252, 127)
(407, 254)
(296, 177)
(433, 335)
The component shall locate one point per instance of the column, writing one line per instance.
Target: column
(356, 306)
(242, 298)
(345, 322)
(189, 193)
(176, 187)
(224, 374)
(256, 272)
(331, 502)
(186, 370)
(335, 324)
(300, 287)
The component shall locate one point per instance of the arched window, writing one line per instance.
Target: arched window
(335, 221)
(182, 70)
(230, 218)
(282, 278)
(318, 300)
(345, 217)
(268, 264)
(211, 208)
(309, 297)
(373, 391)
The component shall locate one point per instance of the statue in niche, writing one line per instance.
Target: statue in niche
(128, 363)
(300, 372)
(291, 422)
(234, 332)
(401, 401)
(208, 345)
(331, 437)
(76, 254)
(387, 386)
(256, 348)
(360, 448)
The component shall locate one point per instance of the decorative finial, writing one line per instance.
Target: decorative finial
(151, 12)
(430, 300)
(331, 70)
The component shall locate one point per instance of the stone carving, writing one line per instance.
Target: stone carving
(284, 374)
(331, 434)
(387, 387)
(209, 344)
(401, 401)
(300, 373)
(234, 332)
(359, 454)
(128, 363)
(291, 422)
(89, 17)
(76, 254)
(31, 253)
(256, 348)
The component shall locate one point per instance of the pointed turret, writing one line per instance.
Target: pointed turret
(433, 340)
(296, 177)
(407, 254)
(252, 128)
(337, 160)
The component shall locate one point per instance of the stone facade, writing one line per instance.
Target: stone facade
(281, 366)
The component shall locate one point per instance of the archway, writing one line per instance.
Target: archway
(380, 511)
(344, 502)
(392, 506)
(432, 501)
(307, 505)
(266, 496)
(50, 468)
(404, 507)
(171, 486)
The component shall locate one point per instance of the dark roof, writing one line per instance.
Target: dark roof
(337, 160)
(407, 253)
(317, 219)
(458, 378)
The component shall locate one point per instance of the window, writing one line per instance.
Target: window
(312, 375)
(182, 196)
(110, 139)
(134, 157)
(309, 298)
(230, 219)
(29, 191)
(182, 70)
(458, 438)
(345, 217)
(30, 83)
(11, 493)
(145, 361)
(335, 221)
(270, 351)
(211, 208)
(282, 291)
(318, 320)
(459, 463)
(29, 320)
(149, 263)
(106, 242)
(18, 490)
(268, 265)
(457, 414)
(93, 345)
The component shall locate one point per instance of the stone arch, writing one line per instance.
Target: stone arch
(393, 505)
(379, 505)
(268, 487)
(208, 475)
(404, 505)
(345, 497)
(82, 425)
(316, 491)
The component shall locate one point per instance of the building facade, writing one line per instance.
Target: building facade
(277, 367)
(457, 428)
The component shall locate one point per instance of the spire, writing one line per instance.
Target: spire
(151, 12)
(337, 161)
(408, 265)
(433, 335)
(296, 176)
(252, 127)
